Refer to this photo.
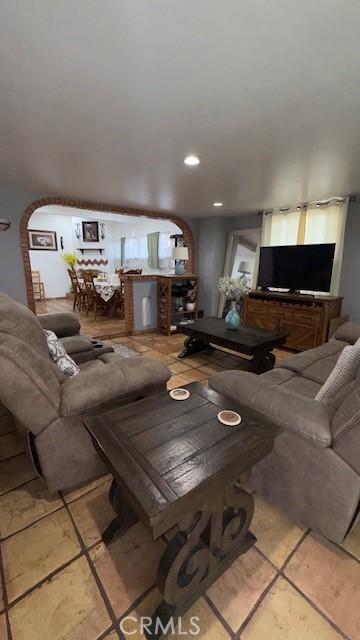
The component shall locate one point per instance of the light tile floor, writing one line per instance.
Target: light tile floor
(60, 582)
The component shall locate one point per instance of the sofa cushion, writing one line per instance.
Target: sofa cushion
(304, 416)
(63, 324)
(117, 356)
(320, 371)
(278, 376)
(90, 364)
(98, 384)
(347, 415)
(302, 362)
(59, 356)
(348, 332)
(343, 373)
(77, 344)
(303, 386)
(348, 446)
(292, 382)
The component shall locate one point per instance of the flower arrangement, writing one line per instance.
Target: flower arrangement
(233, 288)
(70, 259)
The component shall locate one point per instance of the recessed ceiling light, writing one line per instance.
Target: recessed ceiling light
(217, 204)
(192, 161)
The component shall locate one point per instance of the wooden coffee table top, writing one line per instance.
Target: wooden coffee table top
(246, 339)
(166, 454)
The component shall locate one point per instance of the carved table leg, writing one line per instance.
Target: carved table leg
(263, 361)
(125, 516)
(193, 345)
(207, 542)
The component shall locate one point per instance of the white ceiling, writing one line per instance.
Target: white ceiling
(103, 100)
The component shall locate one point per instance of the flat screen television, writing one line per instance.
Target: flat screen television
(303, 266)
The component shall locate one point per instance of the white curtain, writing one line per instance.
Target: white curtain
(280, 228)
(136, 252)
(312, 224)
(327, 224)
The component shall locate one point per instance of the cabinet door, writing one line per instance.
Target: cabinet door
(262, 321)
(301, 336)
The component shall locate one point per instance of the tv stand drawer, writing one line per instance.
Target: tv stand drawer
(306, 320)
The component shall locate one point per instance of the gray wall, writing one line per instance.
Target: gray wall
(212, 235)
(13, 202)
(350, 274)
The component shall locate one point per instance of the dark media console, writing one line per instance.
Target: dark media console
(306, 318)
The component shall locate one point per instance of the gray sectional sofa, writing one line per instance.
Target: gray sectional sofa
(313, 472)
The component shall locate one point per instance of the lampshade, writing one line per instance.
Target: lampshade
(180, 253)
(244, 267)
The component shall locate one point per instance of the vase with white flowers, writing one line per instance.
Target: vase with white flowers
(234, 290)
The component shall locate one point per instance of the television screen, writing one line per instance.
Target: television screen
(305, 266)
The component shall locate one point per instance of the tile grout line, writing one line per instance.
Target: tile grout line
(5, 598)
(15, 455)
(46, 515)
(43, 581)
(96, 577)
(316, 608)
(218, 615)
(5, 493)
(295, 549)
(27, 526)
(264, 556)
(256, 606)
(138, 601)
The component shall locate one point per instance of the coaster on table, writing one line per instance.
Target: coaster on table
(179, 394)
(229, 418)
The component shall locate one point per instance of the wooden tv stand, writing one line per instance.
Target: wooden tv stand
(304, 317)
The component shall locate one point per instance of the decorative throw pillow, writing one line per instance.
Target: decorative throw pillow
(59, 356)
(342, 374)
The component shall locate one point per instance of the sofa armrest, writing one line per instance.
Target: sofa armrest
(103, 383)
(304, 416)
(62, 324)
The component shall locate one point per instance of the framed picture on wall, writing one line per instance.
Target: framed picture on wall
(90, 231)
(40, 240)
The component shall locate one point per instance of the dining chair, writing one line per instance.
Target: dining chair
(38, 286)
(93, 299)
(77, 290)
(117, 301)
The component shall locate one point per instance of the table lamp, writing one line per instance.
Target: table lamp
(180, 255)
(244, 267)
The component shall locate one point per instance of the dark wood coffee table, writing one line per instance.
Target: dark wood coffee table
(180, 471)
(251, 341)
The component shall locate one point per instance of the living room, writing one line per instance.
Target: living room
(184, 459)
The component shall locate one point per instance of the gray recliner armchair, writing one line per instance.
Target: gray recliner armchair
(313, 472)
(51, 407)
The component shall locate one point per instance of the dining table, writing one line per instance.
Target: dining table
(106, 289)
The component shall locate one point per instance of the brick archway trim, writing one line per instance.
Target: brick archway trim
(95, 206)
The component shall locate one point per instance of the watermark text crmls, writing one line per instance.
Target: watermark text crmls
(130, 625)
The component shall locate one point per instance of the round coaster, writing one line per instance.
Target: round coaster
(229, 418)
(179, 394)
